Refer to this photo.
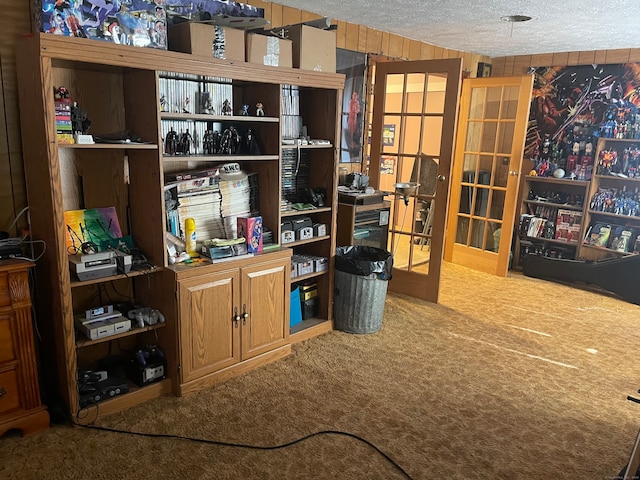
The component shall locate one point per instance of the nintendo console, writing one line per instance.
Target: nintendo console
(88, 266)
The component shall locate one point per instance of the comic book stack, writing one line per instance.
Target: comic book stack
(64, 131)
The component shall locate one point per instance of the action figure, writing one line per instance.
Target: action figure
(171, 142)
(229, 141)
(185, 105)
(209, 142)
(186, 140)
(259, 110)
(207, 106)
(79, 121)
(245, 110)
(226, 108)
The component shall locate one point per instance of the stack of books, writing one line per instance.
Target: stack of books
(235, 203)
(64, 130)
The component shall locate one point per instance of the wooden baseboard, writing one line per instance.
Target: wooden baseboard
(29, 422)
(233, 371)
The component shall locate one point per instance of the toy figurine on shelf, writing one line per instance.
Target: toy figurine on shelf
(171, 142)
(207, 106)
(245, 110)
(80, 125)
(210, 142)
(163, 103)
(259, 110)
(249, 144)
(229, 141)
(226, 108)
(185, 143)
(185, 105)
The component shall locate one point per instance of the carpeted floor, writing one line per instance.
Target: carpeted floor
(506, 378)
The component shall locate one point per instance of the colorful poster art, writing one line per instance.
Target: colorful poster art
(573, 106)
(92, 226)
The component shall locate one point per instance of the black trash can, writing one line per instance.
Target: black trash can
(361, 278)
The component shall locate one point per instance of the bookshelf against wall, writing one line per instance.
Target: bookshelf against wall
(221, 318)
(612, 216)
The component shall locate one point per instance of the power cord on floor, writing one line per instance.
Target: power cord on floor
(251, 447)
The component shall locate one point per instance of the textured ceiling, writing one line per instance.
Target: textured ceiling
(475, 25)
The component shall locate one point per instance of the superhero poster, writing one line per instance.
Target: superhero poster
(572, 106)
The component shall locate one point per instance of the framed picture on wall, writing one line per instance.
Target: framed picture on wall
(388, 135)
(354, 66)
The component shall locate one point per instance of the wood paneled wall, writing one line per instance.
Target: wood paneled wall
(16, 22)
(518, 65)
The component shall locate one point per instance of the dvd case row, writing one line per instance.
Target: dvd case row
(182, 93)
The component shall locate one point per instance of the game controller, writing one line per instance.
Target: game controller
(145, 316)
(150, 351)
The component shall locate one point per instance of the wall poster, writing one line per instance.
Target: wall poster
(571, 107)
(354, 66)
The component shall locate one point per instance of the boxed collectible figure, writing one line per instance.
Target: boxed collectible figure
(251, 229)
(141, 23)
(269, 50)
(203, 10)
(313, 48)
(208, 40)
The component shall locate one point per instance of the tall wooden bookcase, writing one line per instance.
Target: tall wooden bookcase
(118, 86)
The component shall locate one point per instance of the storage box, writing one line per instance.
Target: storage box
(251, 229)
(295, 308)
(313, 48)
(141, 24)
(269, 50)
(207, 40)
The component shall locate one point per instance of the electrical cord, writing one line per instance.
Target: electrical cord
(252, 447)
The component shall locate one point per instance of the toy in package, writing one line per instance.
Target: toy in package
(141, 23)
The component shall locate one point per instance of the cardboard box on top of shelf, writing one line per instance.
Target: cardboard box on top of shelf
(313, 48)
(207, 40)
(269, 50)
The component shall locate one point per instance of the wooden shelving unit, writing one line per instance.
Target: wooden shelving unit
(543, 197)
(208, 307)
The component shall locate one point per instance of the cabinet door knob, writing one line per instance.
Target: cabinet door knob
(3, 392)
(441, 178)
(513, 173)
(245, 315)
(236, 317)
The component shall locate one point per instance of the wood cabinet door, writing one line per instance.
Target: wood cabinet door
(209, 335)
(265, 307)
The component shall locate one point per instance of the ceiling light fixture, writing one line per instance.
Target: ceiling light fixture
(515, 19)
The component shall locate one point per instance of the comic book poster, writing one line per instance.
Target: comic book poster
(573, 106)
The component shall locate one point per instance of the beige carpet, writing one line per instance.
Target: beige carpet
(510, 378)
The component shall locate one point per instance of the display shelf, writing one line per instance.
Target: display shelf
(219, 158)
(135, 396)
(307, 147)
(121, 89)
(556, 181)
(131, 274)
(309, 328)
(85, 342)
(109, 146)
(202, 117)
(307, 241)
(296, 213)
(300, 278)
(551, 241)
(615, 183)
(555, 205)
(564, 194)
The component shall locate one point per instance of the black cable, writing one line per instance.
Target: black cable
(252, 447)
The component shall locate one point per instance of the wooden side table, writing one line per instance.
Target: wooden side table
(20, 404)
